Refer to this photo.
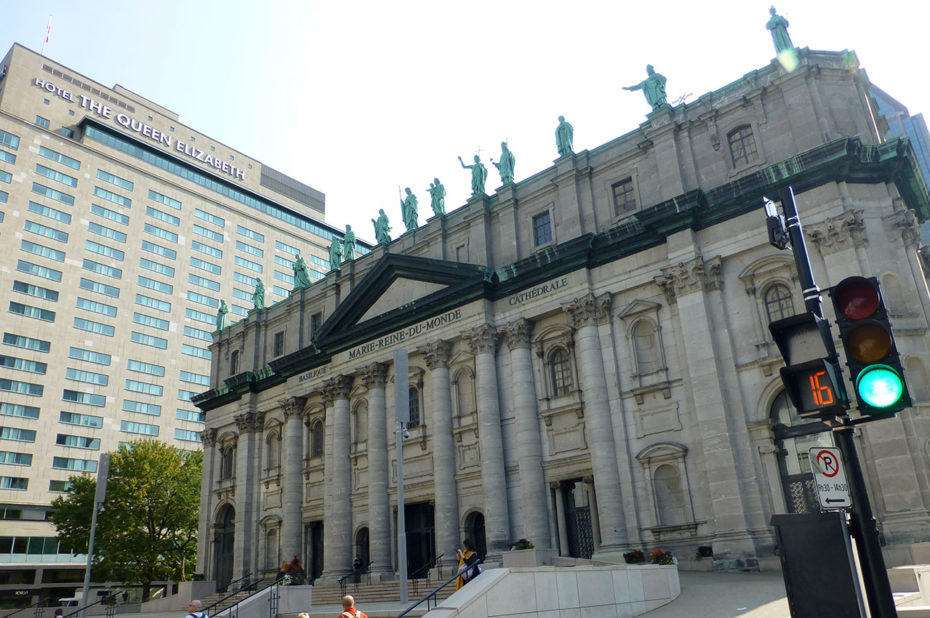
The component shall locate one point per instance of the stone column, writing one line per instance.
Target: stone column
(534, 515)
(586, 313)
(337, 548)
(207, 479)
(560, 518)
(291, 460)
(595, 520)
(374, 378)
(445, 490)
(248, 473)
(483, 343)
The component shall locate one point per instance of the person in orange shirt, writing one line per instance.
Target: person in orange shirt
(348, 609)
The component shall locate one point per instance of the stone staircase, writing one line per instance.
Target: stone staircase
(331, 594)
(216, 596)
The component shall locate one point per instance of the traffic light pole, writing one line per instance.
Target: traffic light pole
(862, 522)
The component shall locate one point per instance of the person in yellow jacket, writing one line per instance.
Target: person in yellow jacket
(468, 564)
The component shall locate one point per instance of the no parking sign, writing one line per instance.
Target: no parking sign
(830, 477)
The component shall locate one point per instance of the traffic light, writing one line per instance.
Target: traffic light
(871, 355)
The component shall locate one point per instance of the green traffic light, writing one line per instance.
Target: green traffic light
(879, 386)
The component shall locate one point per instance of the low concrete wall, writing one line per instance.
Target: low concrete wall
(187, 592)
(622, 590)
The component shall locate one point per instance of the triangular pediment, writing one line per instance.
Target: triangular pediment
(400, 290)
(638, 307)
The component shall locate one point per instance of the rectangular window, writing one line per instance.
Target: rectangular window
(282, 246)
(42, 122)
(158, 232)
(23, 364)
(9, 140)
(98, 358)
(149, 340)
(14, 482)
(241, 278)
(139, 428)
(101, 308)
(279, 343)
(211, 251)
(204, 282)
(30, 311)
(192, 350)
(184, 395)
(27, 343)
(49, 212)
(42, 250)
(48, 232)
(207, 266)
(19, 410)
(89, 377)
(48, 153)
(144, 387)
(4, 196)
(64, 439)
(164, 199)
(200, 316)
(94, 327)
(202, 231)
(148, 320)
(84, 420)
(242, 246)
(34, 290)
(542, 229)
(90, 399)
(6, 177)
(624, 200)
(243, 294)
(106, 232)
(202, 299)
(238, 310)
(191, 415)
(99, 288)
(161, 269)
(18, 435)
(196, 378)
(153, 303)
(55, 175)
(104, 250)
(201, 214)
(282, 261)
(59, 487)
(142, 408)
(112, 215)
(159, 250)
(102, 269)
(7, 157)
(286, 278)
(187, 435)
(161, 215)
(152, 284)
(196, 333)
(22, 388)
(277, 289)
(149, 368)
(48, 192)
(78, 465)
(240, 261)
(10, 458)
(250, 233)
(115, 180)
(113, 197)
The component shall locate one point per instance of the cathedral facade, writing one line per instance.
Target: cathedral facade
(589, 366)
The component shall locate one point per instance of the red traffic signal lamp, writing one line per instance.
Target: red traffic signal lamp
(871, 354)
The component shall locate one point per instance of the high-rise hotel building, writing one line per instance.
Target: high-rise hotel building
(122, 231)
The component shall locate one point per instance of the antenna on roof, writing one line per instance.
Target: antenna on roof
(48, 31)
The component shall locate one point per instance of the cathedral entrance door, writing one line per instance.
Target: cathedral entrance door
(577, 496)
(223, 539)
(421, 538)
(314, 536)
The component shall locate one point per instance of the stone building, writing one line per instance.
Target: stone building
(589, 360)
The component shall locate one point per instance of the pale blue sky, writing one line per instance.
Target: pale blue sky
(356, 98)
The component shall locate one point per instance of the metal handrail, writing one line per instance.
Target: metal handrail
(236, 604)
(236, 581)
(431, 595)
(16, 611)
(97, 602)
(426, 567)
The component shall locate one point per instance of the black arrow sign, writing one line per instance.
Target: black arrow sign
(836, 499)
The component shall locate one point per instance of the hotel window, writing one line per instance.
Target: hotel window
(113, 197)
(218, 221)
(742, 146)
(51, 213)
(139, 428)
(11, 458)
(197, 333)
(23, 364)
(144, 387)
(39, 271)
(161, 215)
(202, 299)
(116, 180)
(149, 340)
(195, 378)
(22, 388)
(64, 179)
(200, 316)
(32, 312)
(35, 290)
(94, 327)
(203, 282)
(278, 344)
(42, 250)
(150, 409)
(202, 231)
(207, 266)
(42, 122)
(187, 435)
(9, 140)
(98, 358)
(48, 192)
(162, 233)
(106, 232)
(191, 415)
(164, 199)
(250, 233)
(624, 199)
(248, 264)
(27, 343)
(112, 215)
(159, 250)
(14, 482)
(560, 372)
(104, 250)
(250, 249)
(161, 269)
(64, 439)
(16, 409)
(152, 284)
(542, 229)
(148, 320)
(17, 435)
(88, 377)
(153, 303)
(102, 269)
(90, 399)
(47, 232)
(59, 487)
(83, 420)
(211, 251)
(7, 157)
(141, 367)
(191, 350)
(60, 158)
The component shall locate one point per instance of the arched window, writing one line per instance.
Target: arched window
(742, 145)
(227, 462)
(778, 303)
(273, 450)
(271, 549)
(316, 439)
(646, 345)
(560, 372)
(670, 497)
(414, 396)
(234, 363)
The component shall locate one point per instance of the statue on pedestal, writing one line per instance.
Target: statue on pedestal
(335, 254)
(437, 194)
(505, 166)
(258, 296)
(382, 228)
(654, 89)
(779, 27)
(350, 244)
(221, 315)
(408, 207)
(479, 173)
(563, 137)
(301, 274)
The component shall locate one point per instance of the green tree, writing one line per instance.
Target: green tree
(147, 529)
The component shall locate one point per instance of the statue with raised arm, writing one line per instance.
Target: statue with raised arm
(505, 165)
(301, 274)
(349, 240)
(779, 27)
(437, 194)
(258, 296)
(479, 173)
(221, 315)
(653, 87)
(335, 254)
(564, 135)
(408, 207)
(382, 228)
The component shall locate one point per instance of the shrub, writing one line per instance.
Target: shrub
(634, 557)
(705, 551)
(657, 556)
(523, 544)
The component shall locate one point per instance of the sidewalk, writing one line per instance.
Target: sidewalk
(725, 595)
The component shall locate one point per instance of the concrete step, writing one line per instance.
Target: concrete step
(380, 592)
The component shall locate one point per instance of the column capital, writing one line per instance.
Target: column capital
(291, 406)
(250, 422)
(374, 375)
(208, 437)
(436, 354)
(691, 276)
(844, 231)
(481, 338)
(589, 310)
(517, 334)
(905, 222)
(337, 388)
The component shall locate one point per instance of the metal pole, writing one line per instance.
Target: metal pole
(862, 522)
(401, 522)
(90, 558)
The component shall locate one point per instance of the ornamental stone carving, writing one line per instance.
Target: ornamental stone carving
(588, 310)
(517, 334)
(337, 388)
(481, 339)
(250, 422)
(906, 223)
(290, 405)
(436, 354)
(692, 276)
(844, 231)
(208, 437)
(374, 376)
